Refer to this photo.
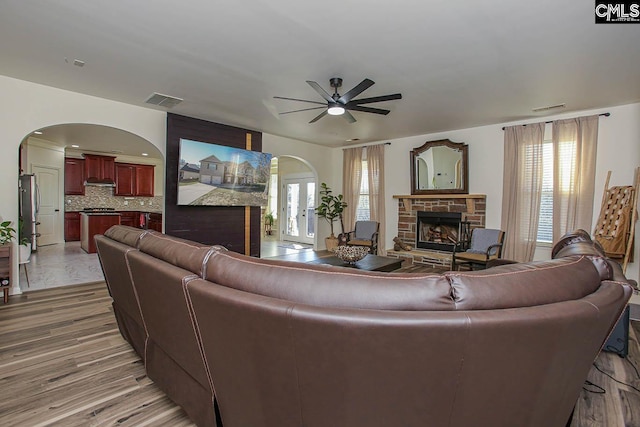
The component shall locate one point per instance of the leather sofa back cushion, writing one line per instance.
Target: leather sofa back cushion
(124, 234)
(327, 286)
(166, 314)
(179, 252)
(524, 285)
(113, 256)
(591, 251)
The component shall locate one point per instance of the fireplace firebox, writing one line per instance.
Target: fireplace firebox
(442, 231)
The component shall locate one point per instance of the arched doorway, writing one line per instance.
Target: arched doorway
(292, 200)
(44, 157)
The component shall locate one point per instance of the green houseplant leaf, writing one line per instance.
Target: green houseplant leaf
(7, 233)
(331, 206)
(23, 240)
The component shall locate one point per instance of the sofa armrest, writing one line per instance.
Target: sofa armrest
(496, 246)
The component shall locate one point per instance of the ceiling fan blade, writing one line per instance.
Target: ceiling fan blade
(303, 109)
(361, 87)
(300, 100)
(323, 93)
(349, 117)
(319, 116)
(368, 109)
(376, 99)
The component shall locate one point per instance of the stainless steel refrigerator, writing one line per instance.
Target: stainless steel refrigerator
(29, 205)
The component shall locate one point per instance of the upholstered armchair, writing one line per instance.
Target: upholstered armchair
(486, 245)
(365, 234)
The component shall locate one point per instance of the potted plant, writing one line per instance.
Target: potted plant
(330, 208)
(7, 233)
(268, 223)
(24, 241)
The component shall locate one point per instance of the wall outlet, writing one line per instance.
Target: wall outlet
(126, 203)
(141, 203)
(150, 202)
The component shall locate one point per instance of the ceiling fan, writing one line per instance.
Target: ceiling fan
(339, 105)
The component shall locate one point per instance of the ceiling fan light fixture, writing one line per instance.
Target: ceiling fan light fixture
(335, 110)
(343, 105)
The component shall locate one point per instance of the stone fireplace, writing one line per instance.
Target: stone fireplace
(431, 248)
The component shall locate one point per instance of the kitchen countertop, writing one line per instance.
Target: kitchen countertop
(100, 213)
(118, 211)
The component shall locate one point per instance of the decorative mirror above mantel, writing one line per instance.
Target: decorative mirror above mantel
(440, 167)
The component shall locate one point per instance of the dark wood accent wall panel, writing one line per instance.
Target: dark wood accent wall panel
(211, 225)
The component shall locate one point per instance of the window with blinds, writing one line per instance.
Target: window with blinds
(545, 220)
(566, 158)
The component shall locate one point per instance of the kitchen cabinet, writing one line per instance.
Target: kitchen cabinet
(73, 176)
(92, 224)
(145, 180)
(134, 180)
(130, 218)
(155, 222)
(125, 180)
(72, 226)
(99, 168)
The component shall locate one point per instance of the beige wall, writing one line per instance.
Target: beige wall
(618, 151)
(320, 161)
(28, 106)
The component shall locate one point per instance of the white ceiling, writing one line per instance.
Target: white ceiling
(80, 138)
(457, 64)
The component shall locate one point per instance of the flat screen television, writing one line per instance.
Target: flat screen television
(217, 175)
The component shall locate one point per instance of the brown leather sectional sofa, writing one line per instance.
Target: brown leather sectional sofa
(287, 344)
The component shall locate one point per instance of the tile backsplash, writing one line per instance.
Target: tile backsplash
(102, 197)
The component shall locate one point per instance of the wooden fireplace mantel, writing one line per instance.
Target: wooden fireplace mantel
(469, 198)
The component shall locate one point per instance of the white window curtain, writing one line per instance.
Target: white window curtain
(351, 179)
(522, 185)
(574, 144)
(351, 184)
(375, 168)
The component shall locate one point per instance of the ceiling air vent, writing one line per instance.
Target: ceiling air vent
(549, 107)
(163, 100)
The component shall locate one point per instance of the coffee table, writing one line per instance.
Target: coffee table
(369, 263)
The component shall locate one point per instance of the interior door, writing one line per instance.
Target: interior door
(49, 218)
(298, 205)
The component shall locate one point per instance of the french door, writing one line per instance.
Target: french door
(298, 203)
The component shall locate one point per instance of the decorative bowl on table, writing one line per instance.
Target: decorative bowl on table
(351, 254)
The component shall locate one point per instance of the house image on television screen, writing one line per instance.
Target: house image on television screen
(217, 175)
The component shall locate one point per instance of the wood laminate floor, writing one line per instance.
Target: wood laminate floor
(64, 363)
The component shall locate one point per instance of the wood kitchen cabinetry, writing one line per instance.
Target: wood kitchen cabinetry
(141, 219)
(92, 224)
(130, 218)
(155, 222)
(125, 179)
(72, 226)
(145, 180)
(134, 180)
(99, 168)
(73, 176)
(137, 219)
